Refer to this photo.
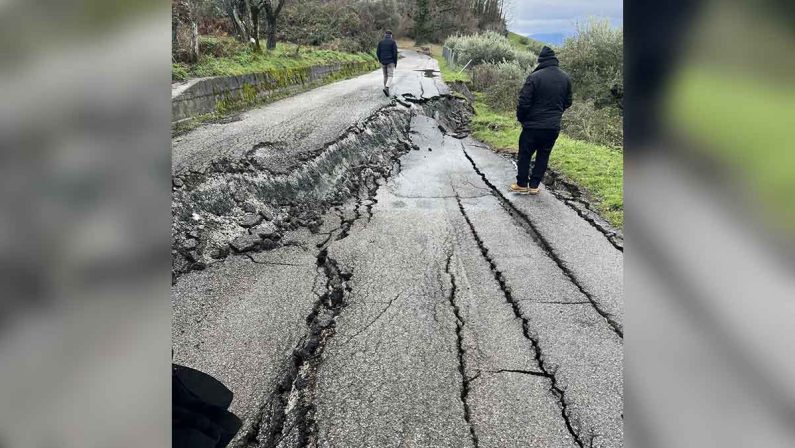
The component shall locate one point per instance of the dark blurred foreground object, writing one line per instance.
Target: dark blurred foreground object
(654, 35)
(199, 416)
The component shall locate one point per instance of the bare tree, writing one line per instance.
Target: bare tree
(272, 16)
(185, 32)
(253, 12)
(238, 15)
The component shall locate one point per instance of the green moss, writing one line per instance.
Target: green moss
(282, 84)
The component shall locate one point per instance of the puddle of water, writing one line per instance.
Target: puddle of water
(429, 73)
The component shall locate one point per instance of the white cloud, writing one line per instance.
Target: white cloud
(549, 16)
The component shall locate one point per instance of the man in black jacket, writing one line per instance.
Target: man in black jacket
(544, 97)
(387, 53)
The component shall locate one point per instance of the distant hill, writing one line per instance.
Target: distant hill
(549, 38)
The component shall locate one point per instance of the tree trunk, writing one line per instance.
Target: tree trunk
(272, 16)
(241, 28)
(253, 25)
(272, 34)
(255, 22)
(194, 42)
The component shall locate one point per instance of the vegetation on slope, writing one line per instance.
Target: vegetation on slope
(525, 43)
(224, 56)
(597, 168)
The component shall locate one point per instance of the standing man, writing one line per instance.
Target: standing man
(544, 97)
(387, 53)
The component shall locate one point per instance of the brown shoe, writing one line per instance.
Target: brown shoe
(515, 188)
(535, 190)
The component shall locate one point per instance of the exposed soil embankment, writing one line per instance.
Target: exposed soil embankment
(239, 205)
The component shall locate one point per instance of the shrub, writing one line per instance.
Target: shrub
(585, 121)
(179, 71)
(488, 47)
(500, 84)
(483, 76)
(220, 47)
(594, 58)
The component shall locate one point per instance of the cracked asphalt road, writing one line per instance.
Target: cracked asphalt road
(434, 310)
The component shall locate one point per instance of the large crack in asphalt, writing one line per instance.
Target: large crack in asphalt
(459, 329)
(572, 195)
(544, 370)
(287, 415)
(362, 160)
(240, 205)
(526, 223)
(576, 199)
(287, 418)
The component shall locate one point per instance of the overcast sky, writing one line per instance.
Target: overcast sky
(560, 16)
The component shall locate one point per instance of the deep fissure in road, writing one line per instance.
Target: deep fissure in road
(288, 416)
(459, 328)
(240, 205)
(531, 229)
(576, 199)
(498, 276)
(263, 205)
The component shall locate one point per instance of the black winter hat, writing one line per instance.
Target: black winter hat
(546, 54)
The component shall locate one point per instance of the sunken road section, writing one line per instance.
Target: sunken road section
(236, 205)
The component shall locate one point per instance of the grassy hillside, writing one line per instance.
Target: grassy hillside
(224, 56)
(525, 43)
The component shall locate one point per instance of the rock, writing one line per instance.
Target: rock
(563, 194)
(177, 182)
(250, 220)
(264, 230)
(190, 244)
(245, 243)
(219, 253)
(192, 256)
(193, 234)
(267, 215)
(249, 207)
(239, 196)
(269, 244)
(429, 149)
(200, 265)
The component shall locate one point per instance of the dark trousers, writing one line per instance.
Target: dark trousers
(539, 141)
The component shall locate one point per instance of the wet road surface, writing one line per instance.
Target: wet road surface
(432, 309)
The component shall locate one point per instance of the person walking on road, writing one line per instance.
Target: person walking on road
(544, 97)
(387, 53)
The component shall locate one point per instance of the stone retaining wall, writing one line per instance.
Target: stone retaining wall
(222, 93)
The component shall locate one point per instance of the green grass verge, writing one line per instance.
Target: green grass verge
(450, 74)
(241, 60)
(598, 169)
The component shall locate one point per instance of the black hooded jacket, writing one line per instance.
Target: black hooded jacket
(387, 51)
(545, 95)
